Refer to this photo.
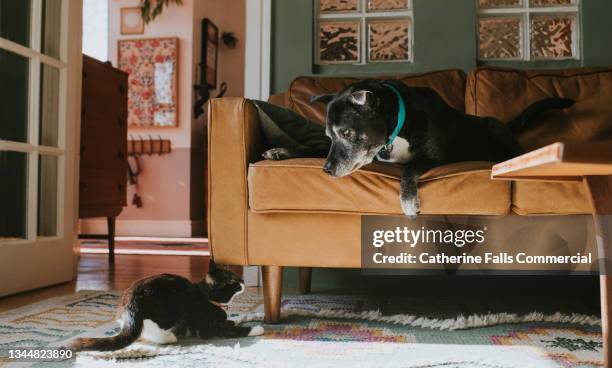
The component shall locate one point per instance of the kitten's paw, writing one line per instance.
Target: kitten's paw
(277, 154)
(171, 339)
(256, 331)
(411, 206)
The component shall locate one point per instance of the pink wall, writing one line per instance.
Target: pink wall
(165, 182)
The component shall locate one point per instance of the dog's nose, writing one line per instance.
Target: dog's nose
(327, 168)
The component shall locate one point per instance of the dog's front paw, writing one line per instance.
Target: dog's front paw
(277, 154)
(411, 206)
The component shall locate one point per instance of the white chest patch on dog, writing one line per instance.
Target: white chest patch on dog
(400, 153)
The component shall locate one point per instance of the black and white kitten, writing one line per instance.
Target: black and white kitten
(160, 308)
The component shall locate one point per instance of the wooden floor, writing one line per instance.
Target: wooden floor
(95, 274)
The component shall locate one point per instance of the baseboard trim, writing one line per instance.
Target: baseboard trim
(139, 228)
(149, 252)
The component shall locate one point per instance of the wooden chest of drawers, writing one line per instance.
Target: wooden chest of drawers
(103, 155)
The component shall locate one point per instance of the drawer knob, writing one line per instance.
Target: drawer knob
(122, 89)
(120, 156)
(121, 187)
(82, 187)
(120, 122)
(82, 149)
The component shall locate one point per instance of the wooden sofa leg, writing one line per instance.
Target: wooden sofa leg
(600, 192)
(305, 279)
(272, 284)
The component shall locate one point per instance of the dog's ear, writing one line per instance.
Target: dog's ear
(322, 98)
(362, 97)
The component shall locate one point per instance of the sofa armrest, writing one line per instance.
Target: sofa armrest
(234, 141)
(279, 99)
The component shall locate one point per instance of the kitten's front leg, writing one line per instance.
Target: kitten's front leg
(409, 196)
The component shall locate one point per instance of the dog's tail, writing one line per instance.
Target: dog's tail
(131, 327)
(533, 111)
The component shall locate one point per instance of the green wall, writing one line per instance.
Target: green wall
(444, 37)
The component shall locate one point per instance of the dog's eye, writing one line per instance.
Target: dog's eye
(346, 133)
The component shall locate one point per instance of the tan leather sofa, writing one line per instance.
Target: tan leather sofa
(289, 213)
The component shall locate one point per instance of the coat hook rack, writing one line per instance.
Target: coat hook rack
(149, 146)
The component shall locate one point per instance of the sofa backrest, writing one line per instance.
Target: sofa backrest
(450, 84)
(505, 93)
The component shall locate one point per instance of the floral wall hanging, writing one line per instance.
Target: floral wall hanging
(152, 65)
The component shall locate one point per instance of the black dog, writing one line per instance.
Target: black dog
(364, 121)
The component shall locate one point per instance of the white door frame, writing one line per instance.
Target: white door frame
(257, 74)
(257, 49)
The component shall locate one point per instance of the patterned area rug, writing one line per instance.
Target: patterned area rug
(324, 330)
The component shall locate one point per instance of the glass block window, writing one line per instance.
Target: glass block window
(528, 29)
(363, 31)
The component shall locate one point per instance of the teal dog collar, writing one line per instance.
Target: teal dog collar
(401, 118)
(401, 114)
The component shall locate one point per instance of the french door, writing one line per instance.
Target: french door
(40, 87)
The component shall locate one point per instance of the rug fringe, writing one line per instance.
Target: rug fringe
(459, 323)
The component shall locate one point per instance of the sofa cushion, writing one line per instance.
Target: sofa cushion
(450, 84)
(548, 198)
(505, 93)
(299, 185)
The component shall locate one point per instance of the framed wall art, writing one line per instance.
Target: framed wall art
(210, 46)
(131, 21)
(152, 65)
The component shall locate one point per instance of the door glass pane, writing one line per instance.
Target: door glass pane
(14, 78)
(13, 195)
(47, 196)
(49, 105)
(15, 21)
(51, 27)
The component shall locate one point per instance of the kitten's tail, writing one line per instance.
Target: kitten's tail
(533, 111)
(131, 328)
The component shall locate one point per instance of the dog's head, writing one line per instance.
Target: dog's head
(356, 124)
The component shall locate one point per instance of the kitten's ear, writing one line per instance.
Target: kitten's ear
(322, 98)
(212, 266)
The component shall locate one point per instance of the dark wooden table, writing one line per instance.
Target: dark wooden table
(591, 164)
